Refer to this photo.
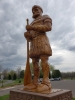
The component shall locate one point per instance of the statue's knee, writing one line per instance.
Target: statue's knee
(44, 61)
(44, 58)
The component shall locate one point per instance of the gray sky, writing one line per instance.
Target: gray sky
(13, 15)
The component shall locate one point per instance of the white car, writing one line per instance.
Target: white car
(57, 79)
(40, 79)
(51, 79)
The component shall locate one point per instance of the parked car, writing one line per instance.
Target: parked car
(57, 79)
(51, 79)
(40, 79)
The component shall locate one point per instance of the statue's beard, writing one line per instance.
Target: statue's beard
(35, 15)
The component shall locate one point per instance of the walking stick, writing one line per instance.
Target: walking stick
(27, 74)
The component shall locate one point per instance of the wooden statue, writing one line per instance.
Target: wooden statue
(39, 49)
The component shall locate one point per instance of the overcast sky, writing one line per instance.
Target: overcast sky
(13, 15)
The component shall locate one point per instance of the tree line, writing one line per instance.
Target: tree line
(19, 73)
(11, 74)
(68, 75)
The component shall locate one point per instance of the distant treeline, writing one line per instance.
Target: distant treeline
(68, 75)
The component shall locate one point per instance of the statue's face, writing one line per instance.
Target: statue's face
(36, 12)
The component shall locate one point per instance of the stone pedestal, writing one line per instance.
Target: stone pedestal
(56, 94)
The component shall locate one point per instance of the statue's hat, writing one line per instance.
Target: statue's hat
(36, 6)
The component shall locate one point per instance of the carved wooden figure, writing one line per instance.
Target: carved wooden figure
(39, 49)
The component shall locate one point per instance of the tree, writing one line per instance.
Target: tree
(5, 73)
(52, 67)
(22, 74)
(9, 77)
(12, 73)
(18, 70)
(68, 75)
(56, 74)
(14, 76)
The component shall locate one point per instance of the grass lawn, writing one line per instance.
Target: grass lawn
(5, 97)
(16, 82)
(3, 81)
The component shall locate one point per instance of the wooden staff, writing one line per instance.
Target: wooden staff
(27, 74)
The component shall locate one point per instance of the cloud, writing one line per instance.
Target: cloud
(56, 60)
(13, 15)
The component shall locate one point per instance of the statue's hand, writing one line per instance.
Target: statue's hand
(29, 27)
(27, 35)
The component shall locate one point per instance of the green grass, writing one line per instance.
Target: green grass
(16, 82)
(3, 81)
(5, 97)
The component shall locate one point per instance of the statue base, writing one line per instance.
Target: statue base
(55, 94)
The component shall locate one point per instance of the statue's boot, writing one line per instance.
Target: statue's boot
(30, 87)
(44, 87)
